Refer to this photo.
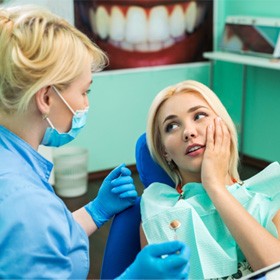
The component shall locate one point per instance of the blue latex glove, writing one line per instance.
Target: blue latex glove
(116, 193)
(169, 260)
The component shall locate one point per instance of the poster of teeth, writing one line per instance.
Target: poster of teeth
(142, 33)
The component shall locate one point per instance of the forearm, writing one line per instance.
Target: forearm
(258, 245)
(82, 217)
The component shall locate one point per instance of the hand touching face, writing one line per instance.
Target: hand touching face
(215, 164)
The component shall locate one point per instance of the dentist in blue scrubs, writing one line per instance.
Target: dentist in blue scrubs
(45, 74)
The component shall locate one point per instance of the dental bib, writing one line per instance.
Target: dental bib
(214, 252)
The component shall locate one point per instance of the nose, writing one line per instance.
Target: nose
(188, 134)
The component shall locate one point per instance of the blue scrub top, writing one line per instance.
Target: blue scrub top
(38, 236)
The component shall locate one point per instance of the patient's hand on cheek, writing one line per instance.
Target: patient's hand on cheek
(215, 164)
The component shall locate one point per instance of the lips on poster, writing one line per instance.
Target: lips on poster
(141, 33)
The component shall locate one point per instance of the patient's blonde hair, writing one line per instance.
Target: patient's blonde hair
(37, 49)
(153, 132)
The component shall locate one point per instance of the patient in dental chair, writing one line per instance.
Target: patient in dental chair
(231, 226)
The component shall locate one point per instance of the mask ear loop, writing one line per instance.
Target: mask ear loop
(64, 101)
(49, 122)
(45, 117)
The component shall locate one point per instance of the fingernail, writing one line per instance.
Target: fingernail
(219, 119)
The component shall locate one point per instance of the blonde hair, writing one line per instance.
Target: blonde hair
(153, 132)
(37, 49)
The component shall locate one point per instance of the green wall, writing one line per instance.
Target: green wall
(119, 103)
(262, 129)
(121, 99)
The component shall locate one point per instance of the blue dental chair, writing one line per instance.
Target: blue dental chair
(123, 243)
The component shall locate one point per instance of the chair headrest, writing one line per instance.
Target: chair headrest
(149, 171)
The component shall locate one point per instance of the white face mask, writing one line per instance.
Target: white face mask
(54, 138)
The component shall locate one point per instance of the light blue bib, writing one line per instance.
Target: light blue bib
(214, 252)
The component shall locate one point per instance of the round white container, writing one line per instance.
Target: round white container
(70, 171)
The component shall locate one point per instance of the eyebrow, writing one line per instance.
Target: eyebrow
(192, 109)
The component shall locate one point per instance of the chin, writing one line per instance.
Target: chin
(191, 170)
(140, 33)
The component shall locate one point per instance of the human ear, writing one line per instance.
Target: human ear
(166, 155)
(42, 100)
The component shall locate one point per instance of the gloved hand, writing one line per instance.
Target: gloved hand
(116, 193)
(169, 260)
